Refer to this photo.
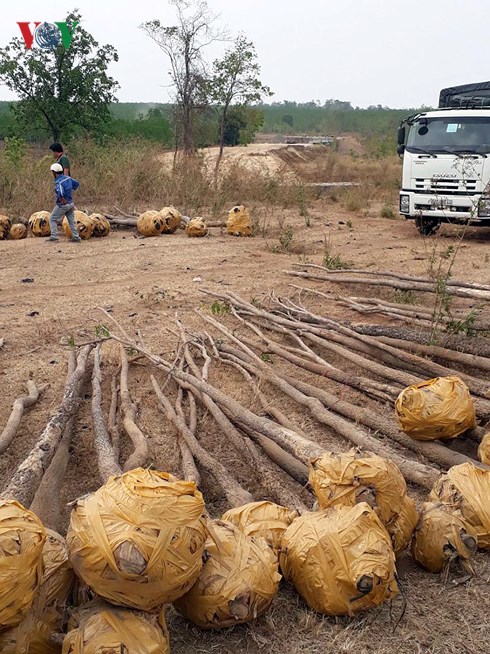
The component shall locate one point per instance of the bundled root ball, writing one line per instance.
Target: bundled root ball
(58, 577)
(484, 449)
(32, 635)
(102, 629)
(263, 520)
(238, 223)
(340, 560)
(171, 220)
(196, 227)
(39, 223)
(22, 539)
(443, 537)
(18, 232)
(138, 540)
(350, 478)
(440, 408)
(238, 581)
(102, 227)
(5, 226)
(467, 488)
(84, 223)
(150, 223)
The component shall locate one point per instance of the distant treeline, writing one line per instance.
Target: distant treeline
(152, 121)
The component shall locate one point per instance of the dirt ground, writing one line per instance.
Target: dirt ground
(50, 293)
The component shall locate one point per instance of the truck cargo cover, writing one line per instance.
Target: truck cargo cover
(467, 95)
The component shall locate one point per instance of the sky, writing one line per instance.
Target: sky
(397, 53)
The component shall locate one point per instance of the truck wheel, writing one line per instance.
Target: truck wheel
(427, 226)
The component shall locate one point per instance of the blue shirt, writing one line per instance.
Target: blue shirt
(63, 186)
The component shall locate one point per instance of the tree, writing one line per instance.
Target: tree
(184, 44)
(242, 124)
(60, 89)
(235, 79)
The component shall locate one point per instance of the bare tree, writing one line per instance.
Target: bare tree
(184, 44)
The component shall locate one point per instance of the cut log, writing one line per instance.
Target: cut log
(27, 477)
(113, 424)
(106, 460)
(19, 406)
(189, 468)
(139, 455)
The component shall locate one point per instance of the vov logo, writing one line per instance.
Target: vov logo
(47, 35)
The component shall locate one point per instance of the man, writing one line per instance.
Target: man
(63, 186)
(61, 157)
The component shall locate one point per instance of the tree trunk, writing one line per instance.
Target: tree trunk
(26, 479)
(18, 408)
(140, 443)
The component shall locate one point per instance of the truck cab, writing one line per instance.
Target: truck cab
(446, 161)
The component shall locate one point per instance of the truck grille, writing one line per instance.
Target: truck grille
(431, 185)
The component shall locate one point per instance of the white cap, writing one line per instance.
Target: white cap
(57, 168)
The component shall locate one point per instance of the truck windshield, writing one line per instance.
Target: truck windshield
(451, 134)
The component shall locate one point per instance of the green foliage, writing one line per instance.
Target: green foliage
(286, 239)
(220, 308)
(387, 212)
(241, 125)
(334, 261)
(152, 127)
(402, 296)
(61, 91)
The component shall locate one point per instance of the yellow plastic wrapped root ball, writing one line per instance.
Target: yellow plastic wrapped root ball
(138, 540)
(196, 227)
(238, 581)
(39, 223)
(443, 537)
(340, 560)
(102, 227)
(171, 219)
(350, 478)
(263, 520)
(467, 488)
(5, 226)
(85, 225)
(32, 635)
(22, 539)
(150, 223)
(58, 576)
(440, 408)
(484, 449)
(18, 232)
(238, 223)
(99, 628)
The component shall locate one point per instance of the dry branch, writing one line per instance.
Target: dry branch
(113, 425)
(106, 460)
(426, 286)
(29, 473)
(189, 468)
(19, 406)
(139, 455)
(234, 493)
(418, 473)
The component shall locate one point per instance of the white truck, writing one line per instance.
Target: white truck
(446, 162)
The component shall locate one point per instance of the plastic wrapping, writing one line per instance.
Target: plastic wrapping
(85, 225)
(150, 223)
(442, 537)
(171, 220)
(467, 488)
(138, 540)
(238, 223)
(440, 408)
(484, 449)
(238, 581)
(402, 527)
(17, 232)
(340, 560)
(5, 225)
(32, 635)
(196, 227)
(39, 223)
(263, 520)
(103, 629)
(22, 539)
(102, 227)
(58, 576)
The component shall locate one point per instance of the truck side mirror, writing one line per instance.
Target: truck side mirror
(400, 149)
(401, 136)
